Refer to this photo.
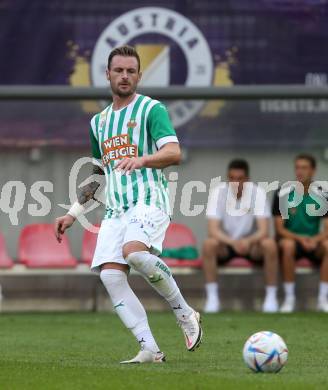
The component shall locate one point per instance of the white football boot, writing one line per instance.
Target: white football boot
(145, 356)
(191, 330)
(270, 305)
(288, 305)
(323, 305)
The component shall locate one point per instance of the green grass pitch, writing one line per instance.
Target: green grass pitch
(82, 351)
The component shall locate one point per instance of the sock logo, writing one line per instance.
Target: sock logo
(163, 267)
(178, 307)
(155, 278)
(121, 304)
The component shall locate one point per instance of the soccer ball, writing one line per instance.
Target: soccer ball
(265, 352)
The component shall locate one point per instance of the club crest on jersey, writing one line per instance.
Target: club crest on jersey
(132, 123)
(293, 210)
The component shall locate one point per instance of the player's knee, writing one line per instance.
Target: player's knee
(269, 245)
(210, 245)
(135, 259)
(287, 245)
(112, 278)
(106, 281)
(325, 247)
(132, 247)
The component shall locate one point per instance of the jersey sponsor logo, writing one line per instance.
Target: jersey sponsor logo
(118, 147)
(172, 50)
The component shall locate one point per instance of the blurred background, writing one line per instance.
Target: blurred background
(182, 43)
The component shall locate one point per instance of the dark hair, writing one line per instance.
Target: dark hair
(239, 164)
(125, 51)
(308, 157)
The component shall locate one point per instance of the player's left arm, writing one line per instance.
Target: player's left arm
(169, 154)
(262, 218)
(323, 235)
(325, 227)
(162, 132)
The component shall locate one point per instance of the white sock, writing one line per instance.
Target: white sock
(158, 274)
(147, 341)
(128, 307)
(212, 290)
(271, 292)
(289, 288)
(323, 290)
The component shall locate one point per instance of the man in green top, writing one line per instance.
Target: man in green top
(298, 221)
(132, 141)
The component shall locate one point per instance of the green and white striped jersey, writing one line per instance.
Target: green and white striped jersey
(139, 129)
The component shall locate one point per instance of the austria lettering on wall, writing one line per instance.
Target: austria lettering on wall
(138, 27)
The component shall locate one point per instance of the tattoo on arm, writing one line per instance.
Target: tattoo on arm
(88, 191)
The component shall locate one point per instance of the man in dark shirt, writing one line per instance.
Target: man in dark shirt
(298, 218)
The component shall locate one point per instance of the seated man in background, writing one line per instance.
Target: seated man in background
(299, 233)
(237, 228)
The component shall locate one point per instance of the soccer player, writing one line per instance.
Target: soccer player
(132, 141)
(299, 235)
(246, 235)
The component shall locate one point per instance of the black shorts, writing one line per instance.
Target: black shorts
(231, 253)
(301, 253)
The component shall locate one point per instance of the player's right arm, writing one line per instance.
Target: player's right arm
(86, 193)
(215, 231)
(214, 214)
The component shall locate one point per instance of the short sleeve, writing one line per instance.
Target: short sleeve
(160, 126)
(95, 151)
(214, 210)
(275, 204)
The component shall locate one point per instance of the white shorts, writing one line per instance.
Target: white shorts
(143, 223)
